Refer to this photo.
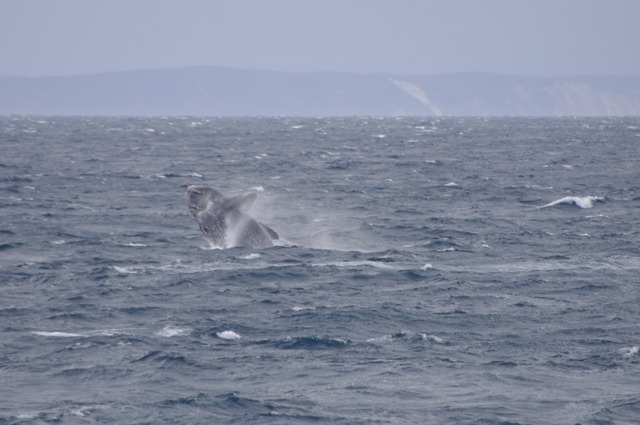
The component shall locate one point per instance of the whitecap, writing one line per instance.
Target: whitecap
(230, 335)
(170, 330)
(124, 270)
(451, 184)
(297, 308)
(582, 202)
(432, 338)
(383, 338)
(251, 256)
(630, 351)
(368, 263)
(56, 334)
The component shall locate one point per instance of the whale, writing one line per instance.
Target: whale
(224, 219)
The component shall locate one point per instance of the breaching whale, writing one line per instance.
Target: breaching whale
(224, 220)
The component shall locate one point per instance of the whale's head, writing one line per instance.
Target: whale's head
(198, 197)
(225, 220)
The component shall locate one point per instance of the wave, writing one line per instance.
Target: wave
(581, 202)
(309, 343)
(86, 334)
(228, 335)
(412, 337)
(257, 262)
(232, 406)
(171, 331)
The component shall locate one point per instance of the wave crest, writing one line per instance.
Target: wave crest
(578, 201)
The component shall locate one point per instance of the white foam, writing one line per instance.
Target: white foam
(86, 334)
(230, 335)
(363, 263)
(451, 184)
(251, 256)
(170, 330)
(432, 338)
(210, 246)
(383, 338)
(297, 308)
(630, 351)
(124, 270)
(56, 334)
(582, 202)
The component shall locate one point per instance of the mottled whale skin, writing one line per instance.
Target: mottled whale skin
(224, 220)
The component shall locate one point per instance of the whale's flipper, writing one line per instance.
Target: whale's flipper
(242, 202)
(224, 220)
(270, 231)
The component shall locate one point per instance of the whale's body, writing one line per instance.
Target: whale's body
(224, 220)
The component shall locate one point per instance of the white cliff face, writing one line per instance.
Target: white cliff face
(572, 98)
(417, 93)
(230, 92)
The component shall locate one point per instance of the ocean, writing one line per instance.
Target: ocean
(429, 271)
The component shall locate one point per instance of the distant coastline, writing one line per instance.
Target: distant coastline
(217, 91)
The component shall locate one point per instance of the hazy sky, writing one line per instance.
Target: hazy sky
(524, 37)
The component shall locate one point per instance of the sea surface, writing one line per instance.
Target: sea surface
(429, 271)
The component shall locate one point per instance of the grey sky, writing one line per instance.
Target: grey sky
(524, 37)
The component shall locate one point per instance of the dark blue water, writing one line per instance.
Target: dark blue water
(441, 271)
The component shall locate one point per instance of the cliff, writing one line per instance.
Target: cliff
(217, 91)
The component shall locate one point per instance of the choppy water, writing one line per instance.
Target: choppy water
(445, 271)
